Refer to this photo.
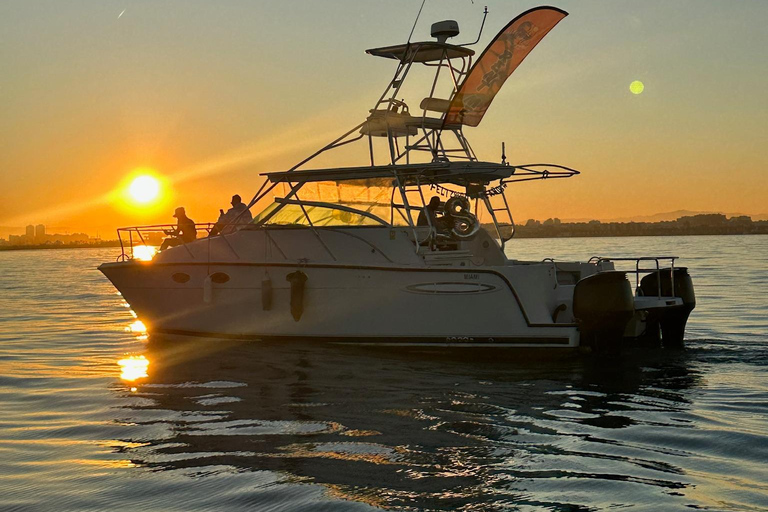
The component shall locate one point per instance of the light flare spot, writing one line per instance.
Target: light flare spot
(137, 326)
(133, 368)
(144, 252)
(636, 87)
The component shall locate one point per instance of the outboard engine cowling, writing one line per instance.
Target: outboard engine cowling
(603, 305)
(672, 320)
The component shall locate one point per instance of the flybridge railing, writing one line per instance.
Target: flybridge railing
(148, 237)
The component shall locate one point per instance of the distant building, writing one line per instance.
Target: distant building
(39, 231)
(31, 231)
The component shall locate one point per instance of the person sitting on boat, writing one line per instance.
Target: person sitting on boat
(184, 232)
(428, 214)
(235, 218)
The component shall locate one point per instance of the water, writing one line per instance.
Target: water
(299, 427)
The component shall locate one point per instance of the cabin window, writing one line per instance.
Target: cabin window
(180, 277)
(219, 277)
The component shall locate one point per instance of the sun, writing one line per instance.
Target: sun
(143, 191)
(144, 188)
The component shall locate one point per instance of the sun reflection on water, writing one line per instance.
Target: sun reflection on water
(133, 368)
(137, 327)
(144, 252)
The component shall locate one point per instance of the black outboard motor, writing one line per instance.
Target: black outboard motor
(672, 320)
(603, 305)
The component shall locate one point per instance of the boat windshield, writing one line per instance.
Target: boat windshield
(348, 203)
(303, 213)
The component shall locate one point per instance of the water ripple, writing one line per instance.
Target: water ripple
(297, 427)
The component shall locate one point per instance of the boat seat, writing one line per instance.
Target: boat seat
(384, 122)
(435, 105)
(430, 123)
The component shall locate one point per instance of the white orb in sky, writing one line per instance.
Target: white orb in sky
(636, 87)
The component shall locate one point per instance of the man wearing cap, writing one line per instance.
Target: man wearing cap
(185, 231)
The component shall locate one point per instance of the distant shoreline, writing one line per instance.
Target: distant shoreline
(523, 235)
(41, 247)
(518, 235)
(705, 224)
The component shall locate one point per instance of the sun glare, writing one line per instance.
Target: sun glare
(144, 252)
(137, 326)
(142, 192)
(133, 367)
(144, 189)
(636, 87)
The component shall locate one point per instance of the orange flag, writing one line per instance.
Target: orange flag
(498, 61)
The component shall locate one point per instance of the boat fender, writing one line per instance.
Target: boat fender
(297, 279)
(464, 223)
(266, 293)
(216, 277)
(207, 290)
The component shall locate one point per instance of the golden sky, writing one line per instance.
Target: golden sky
(210, 94)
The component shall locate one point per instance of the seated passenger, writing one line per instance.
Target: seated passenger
(184, 232)
(428, 214)
(235, 218)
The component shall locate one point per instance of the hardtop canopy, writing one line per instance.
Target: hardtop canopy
(459, 173)
(427, 51)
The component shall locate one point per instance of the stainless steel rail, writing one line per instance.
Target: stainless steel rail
(638, 270)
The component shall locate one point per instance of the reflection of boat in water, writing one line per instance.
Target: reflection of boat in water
(354, 254)
(402, 431)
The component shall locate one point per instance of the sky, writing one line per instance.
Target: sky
(211, 94)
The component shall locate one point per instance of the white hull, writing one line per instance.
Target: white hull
(405, 302)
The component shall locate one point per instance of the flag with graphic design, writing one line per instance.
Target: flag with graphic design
(498, 61)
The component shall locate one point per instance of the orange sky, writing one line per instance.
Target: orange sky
(211, 94)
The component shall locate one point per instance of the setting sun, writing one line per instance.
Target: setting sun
(143, 192)
(144, 189)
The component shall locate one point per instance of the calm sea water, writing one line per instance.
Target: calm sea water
(301, 427)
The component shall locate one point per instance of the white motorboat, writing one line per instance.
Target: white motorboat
(357, 255)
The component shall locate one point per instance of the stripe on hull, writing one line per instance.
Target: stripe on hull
(461, 341)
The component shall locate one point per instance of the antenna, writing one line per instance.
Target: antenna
(503, 154)
(416, 21)
(485, 15)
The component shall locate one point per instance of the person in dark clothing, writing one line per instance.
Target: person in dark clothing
(184, 232)
(235, 218)
(428, 214)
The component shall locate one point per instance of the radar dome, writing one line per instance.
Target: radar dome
(442, 30)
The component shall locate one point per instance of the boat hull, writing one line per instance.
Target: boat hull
(339, 303)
